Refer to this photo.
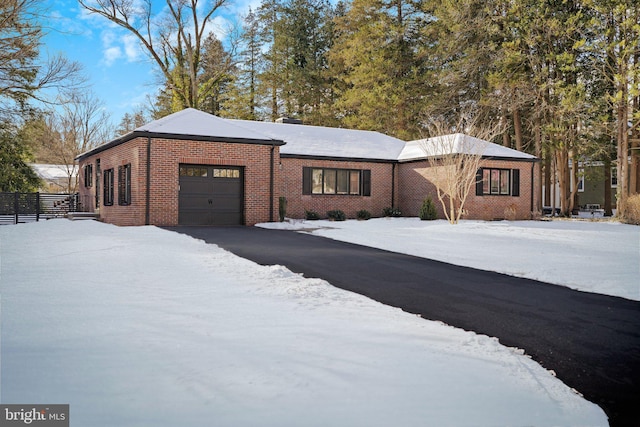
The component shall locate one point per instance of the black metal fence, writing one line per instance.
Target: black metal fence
(29, 207)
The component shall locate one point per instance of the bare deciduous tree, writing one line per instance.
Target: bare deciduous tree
(23, 76)
(79, 125)
(454, 158)
(174, 41)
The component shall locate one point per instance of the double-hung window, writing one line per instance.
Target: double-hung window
(354, 182)
(498, 182)
(108, 187)
(88, 175)
(124, 185)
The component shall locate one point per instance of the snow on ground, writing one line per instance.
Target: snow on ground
(600, 257)
(140, 326)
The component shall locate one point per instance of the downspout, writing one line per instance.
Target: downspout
(393, 185)
(271, 182)
(532, 188)
(148, 195)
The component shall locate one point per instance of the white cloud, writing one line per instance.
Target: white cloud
(117, 46)
(108, 37)
(110, 52)
(240, 8)
(132, 48)
(111, 55)
(218, 26)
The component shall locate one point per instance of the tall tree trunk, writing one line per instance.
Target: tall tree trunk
(608, 211)
(634, 142)
(274, 103)
(574, 177)
(554, 185)
(564, 177)
(506, 139)
(547, 181)
(537, 134)
(634, 168)
(517, 125)
(623, 154)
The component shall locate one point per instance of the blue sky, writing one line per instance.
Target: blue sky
(120, 73)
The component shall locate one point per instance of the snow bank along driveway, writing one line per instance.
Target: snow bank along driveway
(145, 327)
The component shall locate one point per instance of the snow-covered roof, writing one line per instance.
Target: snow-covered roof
(53, 172)
(198, 123)
(457, 144)
(318, 141)
(191, 124)
(305, 140)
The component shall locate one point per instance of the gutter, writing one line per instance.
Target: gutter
(393, 184)
(532, 189)
(205, 138)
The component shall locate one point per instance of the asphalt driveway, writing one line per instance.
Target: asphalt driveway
(591, 341)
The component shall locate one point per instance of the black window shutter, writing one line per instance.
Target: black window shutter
(108, 187)
(366, 182)
(128, 184)
(479, 182)
(515, 182)
(306, 180)
(121, 186)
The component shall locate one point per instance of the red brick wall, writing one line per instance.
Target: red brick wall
(414, 188)
(411, 186)
(297, 203)
(166, 155)
(133, 152)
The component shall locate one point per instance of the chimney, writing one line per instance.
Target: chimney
(289, 120)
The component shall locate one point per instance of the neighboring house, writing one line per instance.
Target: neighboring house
(192, 168)
(57, 178)
(591, 188)
(590, 196)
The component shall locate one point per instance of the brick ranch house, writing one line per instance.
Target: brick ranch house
(193, 168)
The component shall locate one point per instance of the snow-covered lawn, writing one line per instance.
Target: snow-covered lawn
(600, 257)
(140, 326)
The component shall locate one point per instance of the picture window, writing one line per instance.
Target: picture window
(498, 182)
(336, 181)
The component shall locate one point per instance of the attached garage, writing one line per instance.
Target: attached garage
(210, 195)
(188, 168)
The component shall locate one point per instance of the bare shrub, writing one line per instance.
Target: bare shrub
(455, 153)
(510, 212)
(632, 214)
